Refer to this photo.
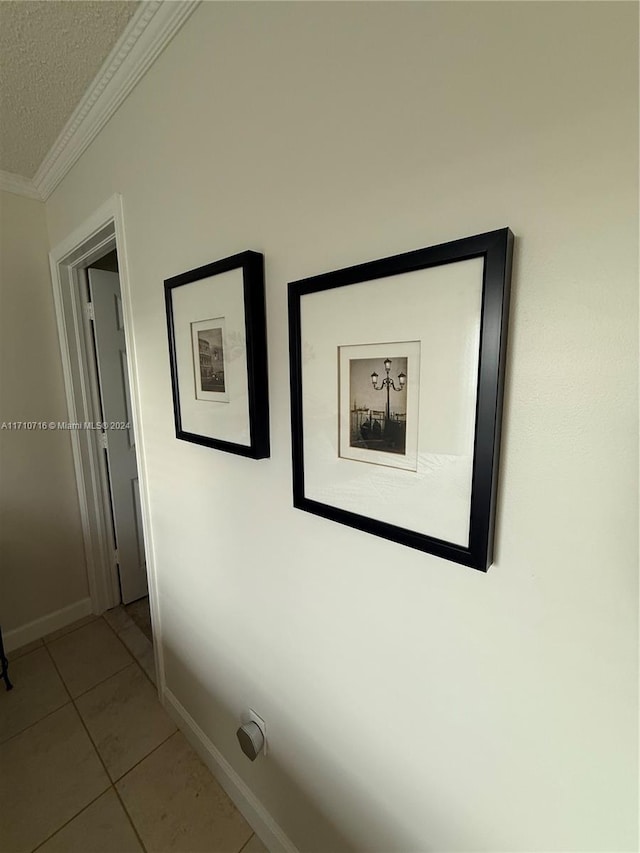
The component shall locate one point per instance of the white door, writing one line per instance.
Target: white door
(111, 355)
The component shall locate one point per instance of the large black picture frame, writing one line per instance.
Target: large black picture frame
(252, 291)
(495, 249)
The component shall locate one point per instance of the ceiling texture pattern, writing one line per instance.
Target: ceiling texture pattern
(50, 51)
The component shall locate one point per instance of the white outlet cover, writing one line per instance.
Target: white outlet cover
(251, 716)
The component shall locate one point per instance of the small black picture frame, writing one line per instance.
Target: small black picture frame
(427, 328)
(218, 355)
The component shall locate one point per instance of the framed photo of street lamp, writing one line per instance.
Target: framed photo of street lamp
(378, 404)
(397, 370)
(218, 355)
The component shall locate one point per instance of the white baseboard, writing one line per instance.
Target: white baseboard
(46, 624)
(265, 827)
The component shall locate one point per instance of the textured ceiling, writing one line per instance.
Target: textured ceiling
(50, 50)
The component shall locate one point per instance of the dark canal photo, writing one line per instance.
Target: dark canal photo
(378, 404)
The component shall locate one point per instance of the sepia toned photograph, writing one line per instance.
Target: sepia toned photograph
(378, 417)
(378, 404)
(211, 354)
(208, 340)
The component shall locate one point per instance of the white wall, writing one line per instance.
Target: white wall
(412, 704)
(42, 564)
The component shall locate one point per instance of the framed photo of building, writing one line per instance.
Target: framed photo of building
(397, 369)
(218, 355)
(208, 360)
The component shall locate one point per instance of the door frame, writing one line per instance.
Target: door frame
(102, 232)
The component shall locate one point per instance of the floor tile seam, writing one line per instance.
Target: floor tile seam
(104, 680)
(47, 643)
(151, 681)
(57, 669)
(143, 630)
(66, 823)
(148, 755)
(79, 716)
(128, 618)
(135, 657)
(104, 622)
(117, 633)
(108, 775)
(82, 722)
(112, 782)
(134, 661)
(72, 703)
(129, 818)
(16, 654)
(132, 653)
(73, 698)
(144, 637)
(253, 835)
(67, 701)
(26, 654)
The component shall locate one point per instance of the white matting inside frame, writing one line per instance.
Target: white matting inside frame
(221, 297)
(440, 308)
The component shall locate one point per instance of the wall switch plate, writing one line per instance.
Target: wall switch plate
(250, 716)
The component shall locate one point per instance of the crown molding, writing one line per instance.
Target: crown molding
(147, 34)
(11, 183)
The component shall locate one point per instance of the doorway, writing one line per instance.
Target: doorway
(90, 278)
(105, 328)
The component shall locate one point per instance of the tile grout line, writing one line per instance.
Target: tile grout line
(129, 818)
(105, 622)
(46, 642)
(98, 683)
(49, 713)
(66, 823)
(11, 656)
(153, 683)
(133, 767)
(101, 618)
(253, 835)
(95, 748)
(72, 703)
(96, 619)
(71, 699)
(137, 764)
(45, 646)
(117, 633)
(44, 717)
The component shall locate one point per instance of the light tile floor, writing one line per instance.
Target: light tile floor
(91, 763)
(140, 612)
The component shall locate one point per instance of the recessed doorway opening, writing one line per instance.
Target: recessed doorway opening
(92, 297)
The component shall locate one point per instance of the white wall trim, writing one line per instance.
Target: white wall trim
(101, 231)
(95, 521)
(46, 624)
(269, 832)
(12, 183)
(147, 34)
